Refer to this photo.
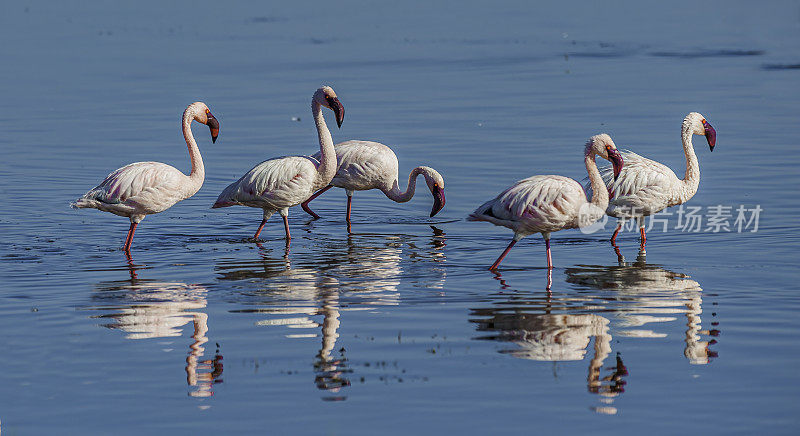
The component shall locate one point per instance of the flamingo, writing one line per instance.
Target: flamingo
(365, 165)
(143, 188)
(646, 187)
(545, 204)
(279, 183)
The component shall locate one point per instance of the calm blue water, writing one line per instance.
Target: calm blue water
(397, 327)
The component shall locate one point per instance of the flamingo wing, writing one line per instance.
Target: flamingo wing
(644, 186)
(275, 183)
(364, 165)
(152, 186)
(536, 204)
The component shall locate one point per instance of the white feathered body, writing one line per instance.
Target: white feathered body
(140, 189)
(539, 204)
(274, 184)
(364, 165)
(644, 187)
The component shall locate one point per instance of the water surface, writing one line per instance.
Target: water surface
(397, 326)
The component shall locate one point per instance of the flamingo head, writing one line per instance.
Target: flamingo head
(697, 124)
(435, 183)
(325, 96)
(603, 146)
(213, 125)
(200, 113)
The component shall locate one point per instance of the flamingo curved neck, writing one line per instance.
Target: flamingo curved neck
(394, 194)
(691, 178)
(599, 190)
(198, 170)
(327, 161)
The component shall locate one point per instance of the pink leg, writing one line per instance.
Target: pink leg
(500, 259)
(129, 239)
(316, 194)
(620, 257)
(549, 259)
(616, 232)
(286, 227)
(258, 232)
(349, 203)
(549, 280)
(643, 237)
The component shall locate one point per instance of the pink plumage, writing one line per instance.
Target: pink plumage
(143, 188)
(282, 182)
(365, 165)
(646, 187)
(545, 204)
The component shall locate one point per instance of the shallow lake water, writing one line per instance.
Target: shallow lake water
(397, 326)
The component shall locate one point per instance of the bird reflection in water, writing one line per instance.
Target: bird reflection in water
(649, 294)
(556, 338)
(147, 309)
(621, 299)
(292, 297)
(361, 273)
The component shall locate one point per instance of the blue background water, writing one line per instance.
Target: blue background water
(397, 327)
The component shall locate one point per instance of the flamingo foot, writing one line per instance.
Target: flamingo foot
(503, 255)
(308, 210)
(316, 194)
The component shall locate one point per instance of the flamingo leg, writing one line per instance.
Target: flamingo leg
(500, 259)
(258, 232)
(129, 239)
(286, 227)
(643, 237)
(620, 257)
(316, 194)
(549, 280)
(616, 232)
(349, 204)
(549, 258)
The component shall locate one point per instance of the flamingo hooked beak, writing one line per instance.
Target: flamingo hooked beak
(438, 199)
(711, 135)
(337, 108)
(213, 125)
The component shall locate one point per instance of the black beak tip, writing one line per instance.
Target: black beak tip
(213, 139)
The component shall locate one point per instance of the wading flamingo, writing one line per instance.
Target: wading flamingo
(545, 204)
(645, 187)
(282, 182)
(364, 165)
(144, 188)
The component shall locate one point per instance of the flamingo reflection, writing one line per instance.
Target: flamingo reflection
(651, 295)
(358, 274)
(628, 299)
(147, 309)
(558, 338)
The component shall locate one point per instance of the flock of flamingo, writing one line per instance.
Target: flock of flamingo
(632, 187)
